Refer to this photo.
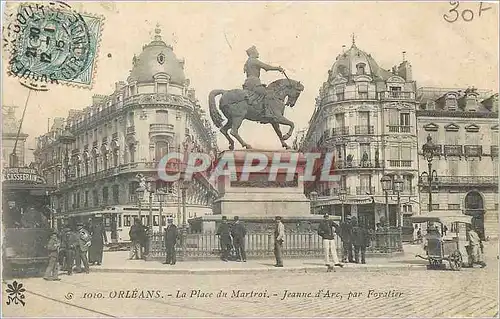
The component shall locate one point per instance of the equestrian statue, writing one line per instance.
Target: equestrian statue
(255, 102)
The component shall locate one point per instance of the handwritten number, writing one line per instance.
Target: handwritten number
(469, 16)
(453, 10)
(481, 8)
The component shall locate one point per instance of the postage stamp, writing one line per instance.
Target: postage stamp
(49, 42)
(250, 159)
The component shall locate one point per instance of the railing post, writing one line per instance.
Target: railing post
(183, 244)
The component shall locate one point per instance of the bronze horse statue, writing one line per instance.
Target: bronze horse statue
(236, 107)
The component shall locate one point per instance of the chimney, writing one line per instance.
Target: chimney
(97, 98)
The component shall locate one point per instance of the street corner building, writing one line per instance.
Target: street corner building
(103, 158)
(376, 122)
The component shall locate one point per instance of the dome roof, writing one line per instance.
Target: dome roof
(347, 63)
(157, 57)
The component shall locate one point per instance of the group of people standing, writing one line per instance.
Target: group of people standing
(232, 236)
(71, 248)
(355, 238)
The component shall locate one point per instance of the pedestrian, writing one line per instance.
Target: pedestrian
(171, 235)
(224, 233)
(135, 234)
(70, 244)
(419, 235)
(144, 236)
(476, 247)
(279, 238)
(98, 241)
(238, 232)
(62, 248)
(326, 230)
(84, 242)
(445, 230)
(52, 271)
(360, 240)
(345, 232)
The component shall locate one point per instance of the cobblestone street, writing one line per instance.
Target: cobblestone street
(396, 293)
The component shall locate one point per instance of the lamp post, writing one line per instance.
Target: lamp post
(428, 151)
(161, 198)
(140, 194)
(342, 198)
(66, 138)
(398, 188)
(386, 182)
(184, 186)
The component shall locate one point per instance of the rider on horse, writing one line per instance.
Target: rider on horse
(252, 83)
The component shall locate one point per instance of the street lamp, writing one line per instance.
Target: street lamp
(386, 182)
(342, 198)
(140, 194)
(398, 188)
(161, 198)
(66, 138)
(428, 151)
(184, 186)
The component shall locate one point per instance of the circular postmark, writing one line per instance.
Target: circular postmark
(48, 43)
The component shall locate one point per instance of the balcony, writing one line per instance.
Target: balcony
(473, 150)
(348, 95)
(494, 151)
(397, 95)
(131, 129)
(465, 181)
(363, 190)
(354, 164)
(161, 128)
(399, 128)
(453, 150)
(364, 130)
(400, 163)
(336, 191)
(339, 131)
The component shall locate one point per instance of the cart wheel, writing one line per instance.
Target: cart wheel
(456, 260)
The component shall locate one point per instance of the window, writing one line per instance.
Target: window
(360, 68)
(105, 161)
(95, 198)
(472, 138)
(452, 166)
(95, 163)
(127, 220)
(452, 138)
(407, 183)
(406, 152)
(132, 188)
(86, 163)
(393, 117)
(404, 119)
(365, 184)
(155, 220)
(363, 91)
(339, 120)
(105, 195)
(395, 91)
(131, 153)
(162, 87)
(363, 118)
(454, 206)
(132, 90)
(86, 199)
(343, 182)
(339, 91)
(162, 117)
(365, 155)
(116, 194)
(161, 149)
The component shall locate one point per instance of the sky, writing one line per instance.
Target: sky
(303, 38)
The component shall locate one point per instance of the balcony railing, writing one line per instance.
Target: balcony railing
(364, 129)
(336, 191)
(463, 181)
(400, 163)
(348, 95)
(342, 130)
(494, 151)
(397, 95)
(131, 129)
(453, 150)
(473, 150)
(161, 128)
(363, 190)
(399, 128)
(355, 164)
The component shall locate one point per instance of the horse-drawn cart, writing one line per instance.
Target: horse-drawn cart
(441, 247)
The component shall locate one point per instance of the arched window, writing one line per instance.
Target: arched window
(161, 149)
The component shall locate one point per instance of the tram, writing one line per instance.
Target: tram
(27, 221)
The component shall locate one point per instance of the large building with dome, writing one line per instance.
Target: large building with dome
(97, 156)
(365, 115)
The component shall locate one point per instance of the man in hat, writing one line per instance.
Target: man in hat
(345, 232)
(279, 238)
(84, 242)
(252, 83)
(52, 271)
(326, 230)
(360, 240)
(476, 245)
(135, 234)
(70, 242)
(239, 232)
(224, 233)
(171, 235)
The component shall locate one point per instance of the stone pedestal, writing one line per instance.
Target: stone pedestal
(260, 196)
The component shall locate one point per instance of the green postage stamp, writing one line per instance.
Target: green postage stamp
(51, 43)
